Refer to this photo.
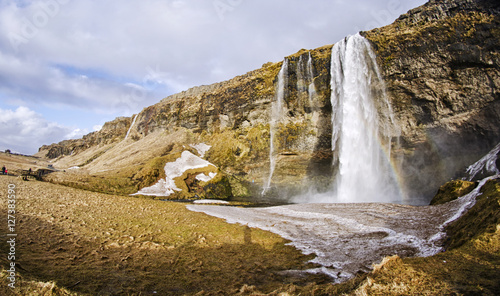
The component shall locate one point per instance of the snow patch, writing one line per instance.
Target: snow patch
(204, 178)
(202, 148)
(166, 187)
(210, 201)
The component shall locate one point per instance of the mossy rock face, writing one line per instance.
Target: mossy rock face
(482, 218)
(233, 150)
(437, 62)
(243, 189)
(452, 190)
(218, 188)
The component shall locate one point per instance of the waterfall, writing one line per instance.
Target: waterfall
(362, 122)
(277, 114)
(310, 75)
(131, 125)
(305, 79)
(301, 80)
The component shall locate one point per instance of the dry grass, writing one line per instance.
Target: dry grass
(452, 190)
(15, 163)
(32, 288)
(394, 277)
(114, 245)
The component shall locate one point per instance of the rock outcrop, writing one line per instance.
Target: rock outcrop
(441, 65)
(111, 132)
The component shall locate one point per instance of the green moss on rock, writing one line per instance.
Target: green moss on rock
(236, 148)
(217, 188)
(452, 190)
(482, 218)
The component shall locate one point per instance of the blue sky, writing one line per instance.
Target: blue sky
(68, 66)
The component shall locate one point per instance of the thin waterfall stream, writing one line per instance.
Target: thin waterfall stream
(310, 79)
(277, 114)
(131, 126)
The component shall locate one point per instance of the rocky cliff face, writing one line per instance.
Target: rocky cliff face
(441, 65)
(111, 132)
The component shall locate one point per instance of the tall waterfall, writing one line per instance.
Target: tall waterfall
(362, 125)
(277, 114)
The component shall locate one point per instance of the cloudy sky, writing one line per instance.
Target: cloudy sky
(68, 66)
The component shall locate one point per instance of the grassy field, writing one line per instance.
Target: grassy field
(93, 243)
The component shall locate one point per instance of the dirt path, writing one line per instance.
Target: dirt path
(101, 244)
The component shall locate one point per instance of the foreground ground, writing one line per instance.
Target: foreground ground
(75, 242)
(103, 244)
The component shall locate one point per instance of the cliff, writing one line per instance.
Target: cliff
(111, 132)
(441, 67)
(440, 63)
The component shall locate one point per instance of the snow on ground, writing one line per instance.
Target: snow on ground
(202, 148)
(210, 201)
(347, 238)
(205, 178)
(173, 170)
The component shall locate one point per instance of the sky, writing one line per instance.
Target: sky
(69, 66)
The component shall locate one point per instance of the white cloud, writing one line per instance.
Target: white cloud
(27, 80)
(23, 130)
(181, 37)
